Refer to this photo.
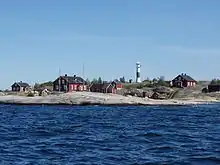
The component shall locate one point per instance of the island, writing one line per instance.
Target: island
(149, 92)
(91, 98)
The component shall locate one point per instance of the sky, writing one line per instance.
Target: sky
(39, 38)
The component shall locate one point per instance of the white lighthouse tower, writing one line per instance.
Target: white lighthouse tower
(138, 72)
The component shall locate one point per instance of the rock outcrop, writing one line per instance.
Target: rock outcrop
(2, 94)
(90, 98)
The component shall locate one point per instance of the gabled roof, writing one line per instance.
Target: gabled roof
(100, 85)
(74, 79)
(106, 85)
(186, 77)
(21, 84)
(96, 85)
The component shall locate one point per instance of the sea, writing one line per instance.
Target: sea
(110, 135)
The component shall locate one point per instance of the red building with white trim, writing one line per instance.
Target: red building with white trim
(183, 80)
(69, 84)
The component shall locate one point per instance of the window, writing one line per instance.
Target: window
(57, 87)
(65, 87)
(80, 88)
(189, 83)
(63, 81)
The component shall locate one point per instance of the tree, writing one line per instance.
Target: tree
(215, 82)
(163, 83)
(122, 79)
(94, 80)
(99, 80)
(154, 80)
(87, 80)
(45, 85)
(36, 86)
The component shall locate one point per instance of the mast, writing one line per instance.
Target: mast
(83, 70)
(59, 81)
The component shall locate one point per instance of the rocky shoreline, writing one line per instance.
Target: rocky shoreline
(89, 98)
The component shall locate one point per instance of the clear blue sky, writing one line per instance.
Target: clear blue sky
(108, 36)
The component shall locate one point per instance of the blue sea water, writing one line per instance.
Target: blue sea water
(111, 135)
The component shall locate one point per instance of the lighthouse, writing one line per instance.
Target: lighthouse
(138, 72)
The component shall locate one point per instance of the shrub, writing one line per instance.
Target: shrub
(30, 94)
(163, 83)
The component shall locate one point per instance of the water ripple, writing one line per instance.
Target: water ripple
(110, 135)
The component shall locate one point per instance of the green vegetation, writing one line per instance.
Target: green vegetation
(156, 82)
(30, 94)
(122, 79)
(215, 82)
(134, 86)
(48, 85)
(95, 80)
(99, 80)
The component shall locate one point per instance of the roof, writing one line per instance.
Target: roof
(74, 79)
(106, 85)
(100, 86)
(117, 82)
(96, 85)
(186, 77)
(214, 85)
(22, 84)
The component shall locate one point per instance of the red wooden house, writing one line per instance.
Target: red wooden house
(69, 84)
(110, 87)
(20, 87)
(183, 80)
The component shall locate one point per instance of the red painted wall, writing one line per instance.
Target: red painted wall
(114, 91)
(77, 87)
(119, 86)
